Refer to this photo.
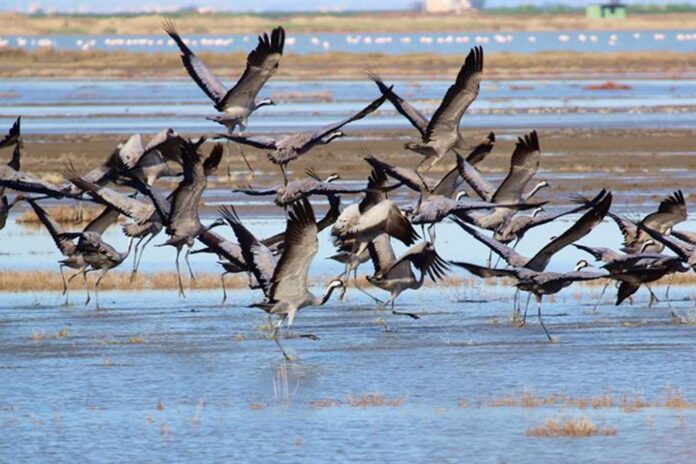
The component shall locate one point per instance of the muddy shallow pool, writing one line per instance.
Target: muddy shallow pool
(154, 377)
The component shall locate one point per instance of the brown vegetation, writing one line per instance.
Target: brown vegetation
(365, 400)
(67, 215)
(342, 65)
(385, 22)
(576, 428)
(673, 399)
(22, 281)
(608, 85)
(610, 155)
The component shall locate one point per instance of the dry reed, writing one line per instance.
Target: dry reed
(673, 399)
(385, 22)
(576, 428)
(345, 65)
(365, 400)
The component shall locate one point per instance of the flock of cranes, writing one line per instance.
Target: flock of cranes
(126, 184)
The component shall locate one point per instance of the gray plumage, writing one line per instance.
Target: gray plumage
(287, 148)
(443, 133)
(523, 166)
(671, 211)
(397, 275)
(289, 289)
(239, 102)
(303, 188)
(538, 283)
(540, 260)
(11, 139)
(180, 215)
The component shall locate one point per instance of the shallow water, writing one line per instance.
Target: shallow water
(57, 106)
(192, 380)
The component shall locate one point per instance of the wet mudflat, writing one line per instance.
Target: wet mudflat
(153, 376)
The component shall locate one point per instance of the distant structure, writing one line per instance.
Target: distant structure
(446, 6)
(612, 10)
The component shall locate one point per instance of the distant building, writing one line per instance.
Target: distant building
(446, 6)
(613, 10)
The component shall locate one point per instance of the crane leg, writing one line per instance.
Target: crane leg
(599, 300)
(65, 285)
(142, 251)
(134, 270)
(178, 274)
(490, 258)
(541, 320)
(669, 284)
(188, 264)
(96, 287)
(228, 155)
(516, 306)
(84, 278)
(400, 313)
(653, 297)
(526, 307)
(274, 336)
(246, 161)
(431, 233)
(285, 175)
(224, 290)
(376, 300)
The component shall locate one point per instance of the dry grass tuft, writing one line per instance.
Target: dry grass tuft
(527, 399)
(366, 400)
(608, 85)
(576, 428)
(675, 400)
(38, 335)
(22, 281)
(373, 400)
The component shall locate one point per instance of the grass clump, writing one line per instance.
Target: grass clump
(575, 428)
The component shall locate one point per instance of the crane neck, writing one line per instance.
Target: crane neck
(327, 294)
(536, 189)
(419, 283)
(130, 247)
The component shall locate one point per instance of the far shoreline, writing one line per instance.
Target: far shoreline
(504, 66)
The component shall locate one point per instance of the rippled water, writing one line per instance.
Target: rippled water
(152, 375)
(156, 376)
(115, 106)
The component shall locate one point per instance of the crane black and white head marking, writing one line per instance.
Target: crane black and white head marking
(337, 283)
(332, 177)
(265, 102)
(651, 242)
(582, 264)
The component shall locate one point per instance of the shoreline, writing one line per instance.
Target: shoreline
(13, 282)
(504, 66)
(357, 22)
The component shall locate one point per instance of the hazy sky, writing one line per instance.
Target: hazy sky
(262, 5)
